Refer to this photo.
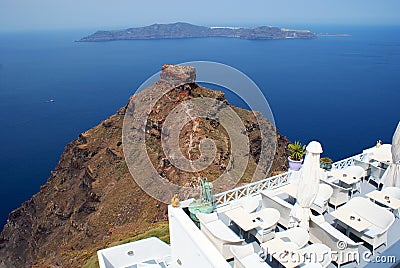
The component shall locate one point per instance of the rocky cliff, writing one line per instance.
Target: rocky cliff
(91, 200)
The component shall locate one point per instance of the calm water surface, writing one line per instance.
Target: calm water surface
(342, 91)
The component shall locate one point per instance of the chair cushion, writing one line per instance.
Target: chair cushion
(319, 201)
(253, 260)
(221, 231)
(291, 244)
(373, 231)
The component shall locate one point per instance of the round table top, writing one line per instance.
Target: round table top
(349, 175)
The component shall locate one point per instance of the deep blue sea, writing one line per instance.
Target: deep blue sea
(342, 91)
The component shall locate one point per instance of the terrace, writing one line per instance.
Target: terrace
(353, 223)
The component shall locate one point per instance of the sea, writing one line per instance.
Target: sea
(343, 91)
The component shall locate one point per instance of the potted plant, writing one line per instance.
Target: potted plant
(326, 163)
(297, 151)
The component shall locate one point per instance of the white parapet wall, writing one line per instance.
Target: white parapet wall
(145, 251)
(190, 248)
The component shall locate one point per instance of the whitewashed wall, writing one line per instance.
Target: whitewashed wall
(189, 247)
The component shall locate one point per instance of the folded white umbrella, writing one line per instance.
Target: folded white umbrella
(310, 175)
(391, 177)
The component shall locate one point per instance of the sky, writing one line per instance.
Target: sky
(18, 15)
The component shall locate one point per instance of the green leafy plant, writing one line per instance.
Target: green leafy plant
(326, 163)
(326, 160)
(297, 151)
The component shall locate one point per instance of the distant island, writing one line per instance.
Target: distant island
(187, 30)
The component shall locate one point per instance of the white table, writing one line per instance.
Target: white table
(284, 252)
(390, 202)
(349, 176)
(242, 218)
(289, 189)
(351, 219)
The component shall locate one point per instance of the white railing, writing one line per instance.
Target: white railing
(270, 183)
(251, 189)
(348, 161)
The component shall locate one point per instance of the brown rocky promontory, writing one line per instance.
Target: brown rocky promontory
(90, 199)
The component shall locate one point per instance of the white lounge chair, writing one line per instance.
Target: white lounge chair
(284, 208)
(392, 192)
(268, 218)
(364, 165)
(297, 236)
(340, 194)
(245, 257)
(218, 233)
(358, 173)
(320, 203)
(376, 175)
(381, 219)
(249, 204)
(322, 232)
(316, 254)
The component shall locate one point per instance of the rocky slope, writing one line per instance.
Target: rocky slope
(186, 30)
(91, 200)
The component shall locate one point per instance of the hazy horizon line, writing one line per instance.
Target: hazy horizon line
(244, 25)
